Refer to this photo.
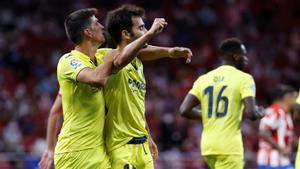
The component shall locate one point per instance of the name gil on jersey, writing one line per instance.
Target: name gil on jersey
(218, 79)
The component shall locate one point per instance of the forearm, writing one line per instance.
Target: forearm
(251, 110)
(154, 52)
(52, 130)
(266, 136)
(130, 51)
(96, 77)
(193, 114)
(102, 72)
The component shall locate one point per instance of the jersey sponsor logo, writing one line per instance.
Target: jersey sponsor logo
(75, 63)
(136, 86)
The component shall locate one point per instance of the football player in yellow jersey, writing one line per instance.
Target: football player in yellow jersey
(223, 94)
(81, 78)
(127, 136)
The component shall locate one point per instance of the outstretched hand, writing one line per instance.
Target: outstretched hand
(177, 52)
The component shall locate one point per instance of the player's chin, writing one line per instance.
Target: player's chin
(101, 39)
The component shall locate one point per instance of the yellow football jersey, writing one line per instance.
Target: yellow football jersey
(125, 102)
(83, 104)
(220, 93)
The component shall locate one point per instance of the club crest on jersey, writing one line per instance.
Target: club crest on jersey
(75, 63)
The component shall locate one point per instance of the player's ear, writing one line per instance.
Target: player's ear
(236, 57)
(125, 34)
(87, 32)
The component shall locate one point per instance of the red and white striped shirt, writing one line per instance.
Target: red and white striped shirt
(280, 124)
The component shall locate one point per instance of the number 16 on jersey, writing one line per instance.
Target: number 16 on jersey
(220, 98)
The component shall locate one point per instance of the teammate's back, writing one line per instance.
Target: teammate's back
(220, 92)
(224, 95)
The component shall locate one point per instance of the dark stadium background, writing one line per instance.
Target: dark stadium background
(32, 39)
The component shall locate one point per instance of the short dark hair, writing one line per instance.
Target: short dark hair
(76, 22)
(230, 46)
(121, 19)
(281, 90)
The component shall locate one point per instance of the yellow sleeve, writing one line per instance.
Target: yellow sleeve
(101, 53)
(196, 89)
(248, 87)
(69, 67)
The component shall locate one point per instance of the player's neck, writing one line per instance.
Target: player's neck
(88, 49)
(229, 63)
(122, 45)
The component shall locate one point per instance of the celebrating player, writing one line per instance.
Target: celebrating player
(127, 137)
(81, 76)
(223, 95)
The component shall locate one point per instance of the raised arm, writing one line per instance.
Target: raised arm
(118, 60)
(52, 131)
(188, 107)
(251, 111)
(132, 49)
(98, 76)
(156, 52)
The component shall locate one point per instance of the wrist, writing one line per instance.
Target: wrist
(50, 149)
(149, 34)
(170, 53)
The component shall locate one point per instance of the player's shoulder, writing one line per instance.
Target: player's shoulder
(209, 74)
(202, 78)
(244, 74)
(69, 59)
(71, 55)
(64, 57)
(237, 72)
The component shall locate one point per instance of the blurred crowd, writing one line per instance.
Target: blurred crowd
(32, 39)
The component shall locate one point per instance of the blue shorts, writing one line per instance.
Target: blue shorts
(290, 166)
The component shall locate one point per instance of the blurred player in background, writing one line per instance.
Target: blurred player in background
(127, 133)
(276, 131)
(223, 94)
(81, 75)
